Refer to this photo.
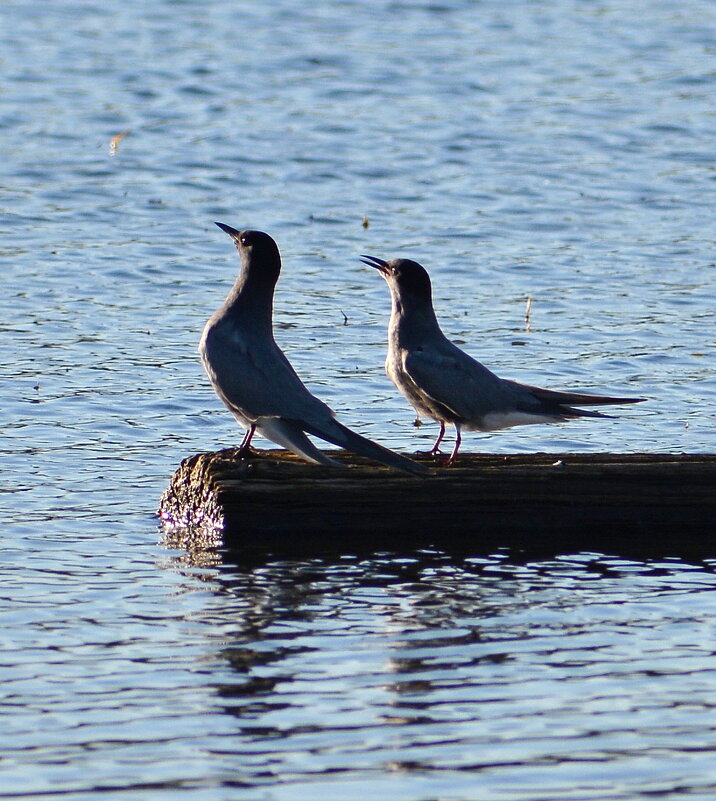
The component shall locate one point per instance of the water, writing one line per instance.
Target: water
(559, 151)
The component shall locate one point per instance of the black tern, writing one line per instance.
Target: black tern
(444, 383)
(253, 377)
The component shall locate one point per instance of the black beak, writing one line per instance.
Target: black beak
(227, 229)
(378, 264)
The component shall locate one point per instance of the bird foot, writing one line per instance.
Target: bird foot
(436, 452)
(245, 452)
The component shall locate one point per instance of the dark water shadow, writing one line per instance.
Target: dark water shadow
(427, 660)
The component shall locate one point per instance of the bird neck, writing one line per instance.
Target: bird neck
(251, 298)
(411, 321)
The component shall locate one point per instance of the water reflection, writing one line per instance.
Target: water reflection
(430, 666)
(522, 149)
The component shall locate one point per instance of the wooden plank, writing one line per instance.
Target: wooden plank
(645, 504)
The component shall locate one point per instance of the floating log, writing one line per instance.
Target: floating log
(270, 501)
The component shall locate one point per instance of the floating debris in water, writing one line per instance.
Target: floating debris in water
(528, 314)
(114, 142)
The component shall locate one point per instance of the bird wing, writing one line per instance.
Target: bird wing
(461, 385)
(451, 379)
(341, 435)
(257, 380)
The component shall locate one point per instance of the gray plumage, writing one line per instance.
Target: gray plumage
(445, 383)
(253, 377)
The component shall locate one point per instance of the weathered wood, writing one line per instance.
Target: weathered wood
(271, 501)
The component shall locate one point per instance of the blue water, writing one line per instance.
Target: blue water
(560, 151)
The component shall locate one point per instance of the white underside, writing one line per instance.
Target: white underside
(271, 429)
(497, 420)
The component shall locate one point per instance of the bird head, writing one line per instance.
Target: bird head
(258, 251)
(406, 278)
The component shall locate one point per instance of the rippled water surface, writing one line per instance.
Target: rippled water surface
(553, 150)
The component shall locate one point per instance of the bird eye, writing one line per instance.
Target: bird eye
(244, 239)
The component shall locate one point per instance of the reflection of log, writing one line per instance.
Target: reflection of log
(637, 503)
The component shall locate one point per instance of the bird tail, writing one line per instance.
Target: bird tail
(563, 402)
(340, 435)
(290, 436)
(568, 412)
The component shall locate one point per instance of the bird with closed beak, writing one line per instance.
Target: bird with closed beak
(444, 383)
(253, 377)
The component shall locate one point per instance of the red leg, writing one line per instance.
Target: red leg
(436, 447)
(245, 446)
(458, 440)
